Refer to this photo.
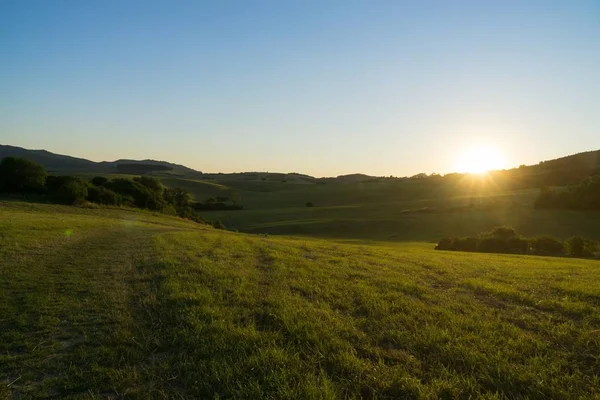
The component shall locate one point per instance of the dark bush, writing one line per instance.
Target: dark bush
(189, 213)
(99, 180)
(466, 244)
(153, 184)
(186, 212)
(169, 209)
(506, 240)
(577, 246)
(218, 225)
(517, 245)
(102, 195)
(546, 245)
(445, 244)
(142, 196)
(177, 197)
(492, 245)
(155, 202)
(486, 244)
(66, 189)
(503, 233)
(309, 204)
(19, 175)
(459, 244)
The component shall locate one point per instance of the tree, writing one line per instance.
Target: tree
(503, 233)
(142, 196)
(576, 247)
(21, 175)
(99, 181)
(66, 189)
(177, 197)
(546, 245)
(151, 183)
(218, 225)
(102, 195)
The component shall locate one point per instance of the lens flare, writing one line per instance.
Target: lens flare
(479, 160)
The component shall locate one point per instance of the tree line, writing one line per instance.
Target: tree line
(507, 240)
(582, 196)
(25, 177)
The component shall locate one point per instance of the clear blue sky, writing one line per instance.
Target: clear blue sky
(319, 87)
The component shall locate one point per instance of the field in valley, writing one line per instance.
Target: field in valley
(384, 211)
(100, 303)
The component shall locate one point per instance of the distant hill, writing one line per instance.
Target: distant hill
(561, 171)
(59, 163)
(54, 162)
(349, 179)
(557, 172)
(589, 160)
(354, 178)
(261, 177)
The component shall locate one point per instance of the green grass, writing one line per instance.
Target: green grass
(387, 211)
(98, 303)
(383, 210)
(402, 221)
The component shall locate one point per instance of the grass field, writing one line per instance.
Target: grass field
(384, 211)
(100, 303)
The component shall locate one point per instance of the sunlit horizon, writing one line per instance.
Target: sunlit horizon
(319, 88)
(480, 160)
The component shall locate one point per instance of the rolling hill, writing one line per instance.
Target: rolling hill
(116, 303)
(58, 163)
(101, 302)
(560, 171)
(359, 206)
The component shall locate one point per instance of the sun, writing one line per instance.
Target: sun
(480, 159)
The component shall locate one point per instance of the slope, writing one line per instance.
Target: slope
(115, 303)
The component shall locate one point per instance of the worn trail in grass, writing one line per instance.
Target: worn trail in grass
(143, 306)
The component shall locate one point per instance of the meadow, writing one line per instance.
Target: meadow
(384, 210)
(117, 303)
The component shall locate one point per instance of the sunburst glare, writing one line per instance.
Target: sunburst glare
(480, 159)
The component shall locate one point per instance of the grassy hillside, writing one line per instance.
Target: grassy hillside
(386, 211)
(402, 222)
(100, 303)
(362, 207)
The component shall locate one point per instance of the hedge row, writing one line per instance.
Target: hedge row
(507, 240)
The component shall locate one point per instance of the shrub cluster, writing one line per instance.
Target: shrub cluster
(20, 176)
(144, 192)
(66, 189)
(507, 240)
